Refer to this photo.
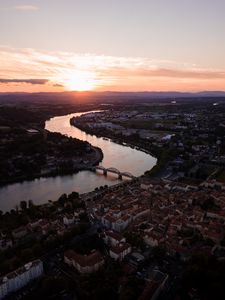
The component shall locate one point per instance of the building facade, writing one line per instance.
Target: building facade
(21, 277)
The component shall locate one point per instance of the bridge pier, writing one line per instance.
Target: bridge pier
(105, 172)
(120, 176)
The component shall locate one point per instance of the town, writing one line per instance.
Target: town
(155, 236)
(150, 228)
(188, 141)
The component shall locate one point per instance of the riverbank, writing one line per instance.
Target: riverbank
(57, 172)
(127, 142)
(28, 151)
(121, 157)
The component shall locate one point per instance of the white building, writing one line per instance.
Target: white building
(119, 251)
(84, 264)
(19, 232)
(20, 277)
(113, 238)
(107, 221)
(151, 239)
(3, 287)
(117, 224)
(68, 219)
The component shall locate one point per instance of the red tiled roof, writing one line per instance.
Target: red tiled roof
(110, 218)
(114, 235)
(84, 260)
(120, 248)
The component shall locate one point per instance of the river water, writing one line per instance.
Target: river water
(41, 190)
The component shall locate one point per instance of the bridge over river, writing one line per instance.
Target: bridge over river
(41, 190)
(120, 174)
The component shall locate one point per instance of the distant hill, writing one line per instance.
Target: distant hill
(167, 94)
(110, 97)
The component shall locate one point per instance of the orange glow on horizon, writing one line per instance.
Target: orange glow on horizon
(79, 81)
(30, 70)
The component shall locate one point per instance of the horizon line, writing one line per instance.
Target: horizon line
(108, 91)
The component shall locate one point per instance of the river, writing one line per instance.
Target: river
(41, 190)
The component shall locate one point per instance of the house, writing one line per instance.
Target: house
(113, 238)
(33, 225)
(152, 239)
(19, 232)
(117, 224)
(107, 221)
(84, 264)
(119, 251)
(146, 187)
(122, 223)
(68, 219)
(44, 226)
(3, 287)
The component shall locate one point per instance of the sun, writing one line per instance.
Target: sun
(80, 81)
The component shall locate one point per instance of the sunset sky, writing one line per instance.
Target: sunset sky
(117, 45)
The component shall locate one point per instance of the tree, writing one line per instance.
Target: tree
(23, 205)
(30, 203)
(62, 199)
(158, 252)
(37, 249)
(12, 211)
(132, 289)
(135, 240)
(53, 285)
(206, 275)
(73, 195)
(26, 255)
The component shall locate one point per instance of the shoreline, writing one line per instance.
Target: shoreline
(99, 157)
(95, 159)
(119, 142)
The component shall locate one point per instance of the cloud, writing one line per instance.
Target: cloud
(28, 81)
(58, 85)
(26, 7)
(189, 73)
(59, 68)
(22, 8)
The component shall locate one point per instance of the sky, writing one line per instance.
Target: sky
(117, 45)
